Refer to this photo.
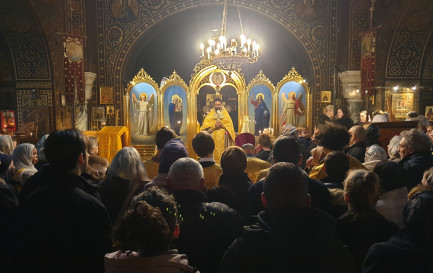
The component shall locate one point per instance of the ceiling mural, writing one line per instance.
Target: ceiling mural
(123, 22)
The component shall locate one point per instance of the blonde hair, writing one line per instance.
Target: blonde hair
(128, 165)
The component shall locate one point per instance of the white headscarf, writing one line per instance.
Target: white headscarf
(22, 157)
(6, 144)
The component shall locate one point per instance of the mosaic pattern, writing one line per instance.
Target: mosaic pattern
(408, 44)
(358, 23)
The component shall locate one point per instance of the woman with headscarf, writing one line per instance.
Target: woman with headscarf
(6, 144)
(24, 158)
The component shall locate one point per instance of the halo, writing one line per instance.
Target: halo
(260, 94)
(174, 97)
(292, 93)
(143, 95)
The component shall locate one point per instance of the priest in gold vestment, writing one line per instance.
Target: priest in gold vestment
(220, 126)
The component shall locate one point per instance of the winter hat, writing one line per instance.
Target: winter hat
(233, 160)
(372, 134)
(245, 138)
(172, 151)
(290, 130)
(5, 162)
(375, 152)
(379, 118)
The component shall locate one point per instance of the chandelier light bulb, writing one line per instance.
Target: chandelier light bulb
(243, 40)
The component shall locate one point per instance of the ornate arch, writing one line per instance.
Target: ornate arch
(310, 31)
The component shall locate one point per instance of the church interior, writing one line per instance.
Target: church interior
(125, 68)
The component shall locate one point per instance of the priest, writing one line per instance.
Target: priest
(219, 124)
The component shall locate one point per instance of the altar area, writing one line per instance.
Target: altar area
(256, 107)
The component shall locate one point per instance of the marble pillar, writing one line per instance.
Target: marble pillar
(81, 109)
(351, 83)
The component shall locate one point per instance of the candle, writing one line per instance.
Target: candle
(202, 49)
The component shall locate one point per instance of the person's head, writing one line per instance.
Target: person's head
(149, 225)
(342, 111)
(249, 149)
(418, 216)
(393, 150)
(375, 153)
(412, 115)
(414, 141)
(233, 160)
(429, 131)
(127, 164)
(329, 111)
(363, 116)
(427, 178)
(6, 165)
(285, 188)
(25, 156)
(358, 134)
(67, 150)
(361, 191)
(372, 134)
(203, 144)
(172, 151)
(304, 132)
(423, 123)
(260, 97)
(287, 149)
(185, 174)
(391, 175)
(97, 167)
(93, 148)
(290, 130)
(265, 141)
(337, 165)
(6, 144)
(163, 136)
(217, 103)
(333, 137)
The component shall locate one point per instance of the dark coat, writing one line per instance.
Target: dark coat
(345, 122)
(320, 197)
(114, 191)
(359, 234)
(357, 151)
(206, 229)
(263, 155)
(46, 175)
(398, 255)
(8, 205)
(232, 190)
(415, 164)
(61, 228)
(302, 240)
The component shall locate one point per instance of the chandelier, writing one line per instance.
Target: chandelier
(230, 56)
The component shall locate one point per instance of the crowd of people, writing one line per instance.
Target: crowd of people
(333, 201)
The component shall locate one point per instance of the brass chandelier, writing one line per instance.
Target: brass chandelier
(233, 55)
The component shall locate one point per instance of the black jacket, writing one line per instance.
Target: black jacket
(359, 234)
(345, 122)
(232, 190)
(357, 151)
(206, 229)
(114, 191)
(401, 254)
(59, 227)
(302, 240)
(415, 164)
(320, 196)
(46, 176)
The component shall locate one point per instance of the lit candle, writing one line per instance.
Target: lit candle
(202, 49)
(249, 44)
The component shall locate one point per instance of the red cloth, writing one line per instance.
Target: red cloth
(245, 138)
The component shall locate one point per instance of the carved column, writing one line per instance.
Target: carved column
(82, 111)
(351, 82)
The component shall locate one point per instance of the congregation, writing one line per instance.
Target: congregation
(331, 201)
